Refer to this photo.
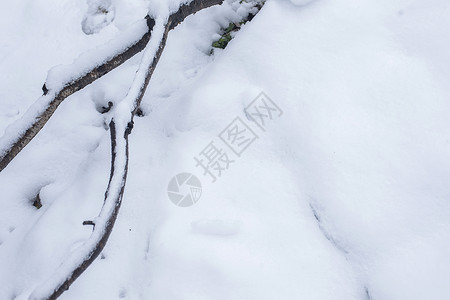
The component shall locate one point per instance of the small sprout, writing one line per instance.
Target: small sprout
(226, 36)
(223, 41)
(232, 27)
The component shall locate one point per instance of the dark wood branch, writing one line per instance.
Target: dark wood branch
(114, 192)
(23, 138)
(109, 224)
(189, 9)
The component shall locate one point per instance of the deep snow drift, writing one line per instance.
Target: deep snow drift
(345, 195)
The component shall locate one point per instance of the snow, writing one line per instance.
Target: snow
(163, 8)
(128, 104)
(99, 15)
(344, 196)
(301, 2)
(59, 76)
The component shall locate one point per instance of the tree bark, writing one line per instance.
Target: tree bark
(25, 136)
(103, 225)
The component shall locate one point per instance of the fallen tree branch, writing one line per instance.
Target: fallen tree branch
(26, 128)
(120, 128)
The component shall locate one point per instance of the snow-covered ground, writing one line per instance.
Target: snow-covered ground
(345, 195)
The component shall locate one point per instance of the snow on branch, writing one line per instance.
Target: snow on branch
(63, 81)
(120, 127)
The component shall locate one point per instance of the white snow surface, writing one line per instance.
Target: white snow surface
(100, 14)
(344, 196)
(301, 2)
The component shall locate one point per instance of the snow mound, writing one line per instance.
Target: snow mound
(345, 196)
(301, 2)
(99, 15)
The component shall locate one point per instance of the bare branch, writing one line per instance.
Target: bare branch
(120, 127)
(28, 131)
